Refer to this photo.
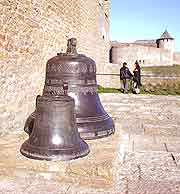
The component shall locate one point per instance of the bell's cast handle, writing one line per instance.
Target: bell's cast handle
(71, 47)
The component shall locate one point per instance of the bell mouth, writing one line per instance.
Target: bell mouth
(90, 131)
(64, 154)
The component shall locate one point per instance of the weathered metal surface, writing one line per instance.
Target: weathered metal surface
(54, 135)
(79, 72)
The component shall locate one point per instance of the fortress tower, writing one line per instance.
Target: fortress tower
(165, 41)
(159, 52)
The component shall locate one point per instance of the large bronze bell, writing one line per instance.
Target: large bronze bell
(30, 121)
(54, 135)
(79, 72)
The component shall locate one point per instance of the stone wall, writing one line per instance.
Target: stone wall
(147, 56)
(176, 58)
(33, 31)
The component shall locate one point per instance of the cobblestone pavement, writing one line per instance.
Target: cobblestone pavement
(142, 157)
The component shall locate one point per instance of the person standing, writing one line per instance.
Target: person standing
(137, 78)
(125, 76)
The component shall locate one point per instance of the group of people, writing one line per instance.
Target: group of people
(126, 75)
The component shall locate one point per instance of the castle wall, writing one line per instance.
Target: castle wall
(176, 58)
(126, 52)
(33, 31)
(147, 56)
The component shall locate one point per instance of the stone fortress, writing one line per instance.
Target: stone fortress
(159, 52)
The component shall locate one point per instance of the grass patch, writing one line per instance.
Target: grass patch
(170, 87)
(160, 91)
(165, 88)
(108, 90)
(163, 70)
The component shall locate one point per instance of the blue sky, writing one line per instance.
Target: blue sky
(144, 19)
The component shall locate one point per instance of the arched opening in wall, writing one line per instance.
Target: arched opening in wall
(110, 55)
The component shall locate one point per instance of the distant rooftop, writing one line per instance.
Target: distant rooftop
(166, 35)
(151, 42)
(145, 41)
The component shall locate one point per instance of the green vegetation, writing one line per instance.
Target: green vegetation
(170, 87)
(165, 88)
(163, 70)
(107, 90)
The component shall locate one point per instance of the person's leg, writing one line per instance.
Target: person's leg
(126, 86)
(133, 86)
(123, 85)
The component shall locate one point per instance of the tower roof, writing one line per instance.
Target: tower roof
(166, 35)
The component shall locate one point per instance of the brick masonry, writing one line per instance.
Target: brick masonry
(33, 31)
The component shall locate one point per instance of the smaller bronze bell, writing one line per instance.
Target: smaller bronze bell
(54, 135)
(31, 119)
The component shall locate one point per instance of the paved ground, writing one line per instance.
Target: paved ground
(142, 157)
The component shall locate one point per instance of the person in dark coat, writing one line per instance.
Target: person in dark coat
(125, 76)
(137, 77)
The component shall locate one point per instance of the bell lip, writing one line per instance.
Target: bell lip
(97, 134)
(90, 130)
(53, 157)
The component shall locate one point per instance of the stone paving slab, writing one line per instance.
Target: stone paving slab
(44, 186)
(142, 157)
(153, 135)
(92, 173)
(140, 171)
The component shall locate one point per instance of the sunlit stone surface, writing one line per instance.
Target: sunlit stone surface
(142, 157)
